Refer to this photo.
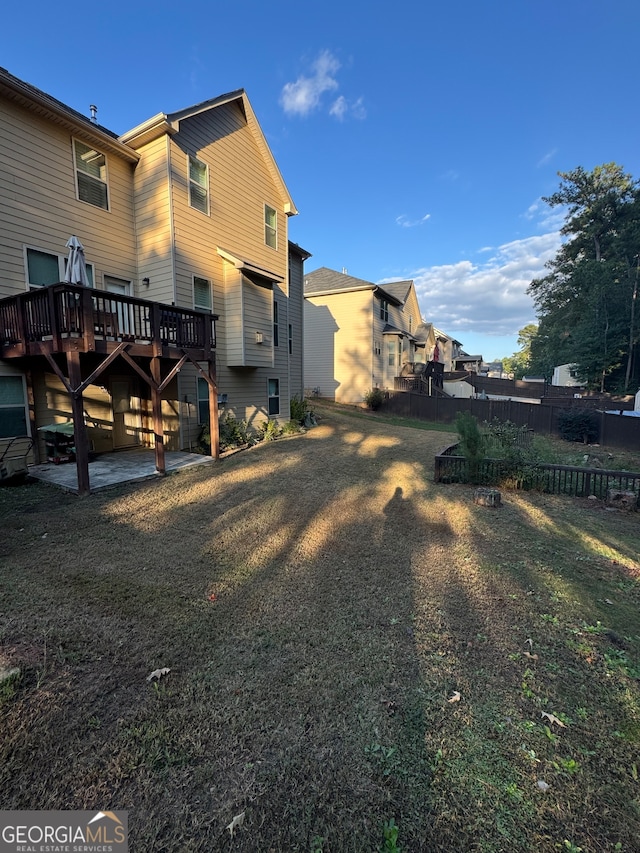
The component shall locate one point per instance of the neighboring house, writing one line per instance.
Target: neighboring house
(448, 349)
(359, 335)
(564, 375)
(469, 363)
(195, 293)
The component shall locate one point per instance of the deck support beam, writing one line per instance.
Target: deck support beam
(79, 429)
(156, 408)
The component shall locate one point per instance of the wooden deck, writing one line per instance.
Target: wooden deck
(64, 317)
(155, 340)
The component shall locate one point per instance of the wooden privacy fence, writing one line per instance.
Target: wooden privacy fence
(614, 430)
(544, 477)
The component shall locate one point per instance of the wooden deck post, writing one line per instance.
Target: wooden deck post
(214, 433)
(79, 429)
(156, 407)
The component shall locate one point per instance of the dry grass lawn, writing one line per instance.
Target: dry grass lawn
(320, 604)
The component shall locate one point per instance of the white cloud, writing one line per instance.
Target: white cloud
(488, 297)
(549, 218)
(405, 222)
(305, 94)
(339, 108)
(547, 158)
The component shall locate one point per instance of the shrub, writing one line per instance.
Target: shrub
(269, 431)
(374, 398)
(515, 447)
(233, 433)
(578, 425)
(298, 409)
(472, 443)
(292, 427)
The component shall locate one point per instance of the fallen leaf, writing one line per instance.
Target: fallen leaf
(608, 601)
(158, 673)
(455, 697)
(530, 656)
(530, 641)
(542, 785)
(553, 719)
(213, 597)
(235, 823)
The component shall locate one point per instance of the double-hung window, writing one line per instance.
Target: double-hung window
(13, 407)
(198, 185)
(202, 294)
(384, 310)
(274, 396)
(91, 175)
(270, 227)
(290, 339)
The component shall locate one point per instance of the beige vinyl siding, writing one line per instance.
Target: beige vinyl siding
(52, 405)
(240, 184)
(257, 318)
(230, 340)
(30, 185)
(295, 311)
(153, 220)
(338, 339)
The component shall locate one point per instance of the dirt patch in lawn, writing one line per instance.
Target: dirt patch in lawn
(348, 644)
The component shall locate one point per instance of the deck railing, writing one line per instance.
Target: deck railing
(63, 311)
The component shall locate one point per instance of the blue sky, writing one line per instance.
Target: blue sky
(416, 138)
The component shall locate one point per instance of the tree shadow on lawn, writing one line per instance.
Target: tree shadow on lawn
(352, 598)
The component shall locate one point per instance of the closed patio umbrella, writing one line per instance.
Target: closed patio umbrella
(76, 272)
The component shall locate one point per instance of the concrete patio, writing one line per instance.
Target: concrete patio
(111, 469)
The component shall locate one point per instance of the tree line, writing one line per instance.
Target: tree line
(587, 302)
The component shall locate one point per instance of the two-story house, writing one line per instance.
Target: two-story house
(359, 335)
(194, 294)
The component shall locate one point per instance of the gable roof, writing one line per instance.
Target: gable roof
(169, 123)
(326, 281)
(53, 110)
(399, 289)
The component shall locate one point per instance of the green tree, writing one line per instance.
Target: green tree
(586, 303)
(519, 362)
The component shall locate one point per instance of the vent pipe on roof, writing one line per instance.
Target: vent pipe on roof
(344, 271)
(94, 113)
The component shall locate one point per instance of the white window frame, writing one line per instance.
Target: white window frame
(197, 185)
(271, 396)
(78, 171)
(270, 231)
(10, 375)
(62, 266)
(198, 306)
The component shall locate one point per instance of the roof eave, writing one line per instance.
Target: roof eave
(149, 130)
(53, 110)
